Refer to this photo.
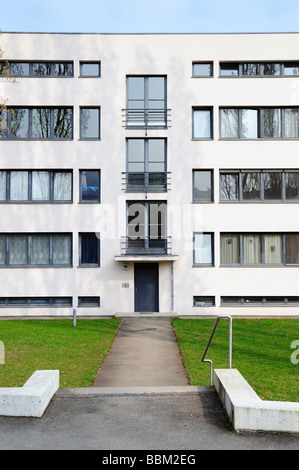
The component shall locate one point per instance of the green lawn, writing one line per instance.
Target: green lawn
(77, 352)
(261, 352)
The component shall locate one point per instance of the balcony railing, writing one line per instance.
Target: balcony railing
(146, 246)
(146, 118)
(154, 182)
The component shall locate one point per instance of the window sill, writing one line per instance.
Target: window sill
(88, 266)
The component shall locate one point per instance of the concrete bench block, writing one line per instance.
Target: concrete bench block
(247, 411)
(33, 398)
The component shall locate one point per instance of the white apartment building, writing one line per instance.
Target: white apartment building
(150, 173)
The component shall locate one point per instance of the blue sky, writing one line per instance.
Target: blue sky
(137, 16)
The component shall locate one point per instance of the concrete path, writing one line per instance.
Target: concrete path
(144, 353)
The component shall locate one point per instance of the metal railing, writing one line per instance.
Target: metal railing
(145, 246)
(146, 118)
(146, 181)
(230, 344)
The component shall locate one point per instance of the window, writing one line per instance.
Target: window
(202, 186)
(202, 69)
(35, 250)
(276, 249)
(146, 165)
(204, 301)
(90, 69)
(39, 69)
(35, 186)
(90, 123)
(202, 123)
(203, 251)
(259, 69)
(259, 185)
(89, 252)
(255, 123)
(146, 101)
(36, 302)
(88, 301)
(37, 123)
(146, 227)
(90, 186)
(254, 301)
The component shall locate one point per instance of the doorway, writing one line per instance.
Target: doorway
(146, 279)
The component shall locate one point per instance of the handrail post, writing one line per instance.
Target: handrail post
(230, 344)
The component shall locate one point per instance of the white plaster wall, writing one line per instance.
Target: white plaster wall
(170, 55)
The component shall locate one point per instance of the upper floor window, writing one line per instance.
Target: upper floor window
(202, 69)
(89, 249)
(203, 249)
(259, 69)
(146, 101)
(202, 186)
(146, 165)
(35, 186)
(202, 123)
(90, 186)
(38, 69)
(259, 123)
(36, 123)
(259, 185)
(89, 123)
(90, 69)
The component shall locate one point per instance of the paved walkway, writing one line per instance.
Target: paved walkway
(144, 353)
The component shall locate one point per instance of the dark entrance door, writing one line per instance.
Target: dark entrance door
(146, 278)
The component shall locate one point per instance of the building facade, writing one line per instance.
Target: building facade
(149, 173)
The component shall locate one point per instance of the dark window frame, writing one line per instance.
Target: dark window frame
(203, 201)
(207, 63)
(13, 63)
(86, 201)
(89, 62)
(212, 248)
(98, 109)
(211, 113)
(82, 263)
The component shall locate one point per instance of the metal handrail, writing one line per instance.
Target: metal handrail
(230, 344)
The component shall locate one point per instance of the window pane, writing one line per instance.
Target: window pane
(291, 68)
(291, 123)
(202, 69)
(18, 249)
(89, 248)
(62, 190)
(62, 69)
(202, 124)
(251, 185)
(41, 69)
(292, 185)
(202, 190)
(156, 155)
(2, 185)
(90, 186)
(62, 249)
(229, 70)
(272, 185)
(19, 69)
(292, 248)
(40, 186)
(19, 123)
(229, 119)
(203, 301)
(230, 248)
(203, 248)
(136, 89)
(63, 123)
(19, 185)
(2, 249)
(252, 249)
(90, 123)
(273, 248)
(249, 123)
(41, 123)
(229, 187)
(272, 69)
(3, 124)
(40, 249)
(251, 69)
(156, 89)
(272, 122)
(91, 69)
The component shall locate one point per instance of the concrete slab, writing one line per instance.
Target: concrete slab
(144, 353)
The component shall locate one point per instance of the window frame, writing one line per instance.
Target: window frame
(98, 109)
(29, 251)
(98, 262)
(200, 62)
(203, 201)
(11, 63)
(90, 62)
(212, 250)
(283, 65)
(211, 124)
(86, 201)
